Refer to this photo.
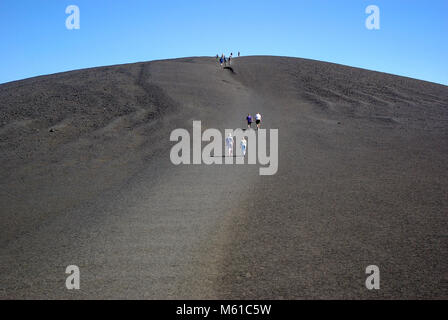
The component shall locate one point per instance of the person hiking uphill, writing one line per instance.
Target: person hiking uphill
(258, 120)
(249, 121)
(243, 144)
(229, 144)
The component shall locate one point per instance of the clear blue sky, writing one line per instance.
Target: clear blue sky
(412, 41)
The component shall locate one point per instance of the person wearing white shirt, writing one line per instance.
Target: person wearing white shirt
(229, 144)
(258, 120)
(243, 146)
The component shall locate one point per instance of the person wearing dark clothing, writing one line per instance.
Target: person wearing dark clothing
(249, 121)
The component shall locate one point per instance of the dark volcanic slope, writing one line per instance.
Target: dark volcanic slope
(86, 179)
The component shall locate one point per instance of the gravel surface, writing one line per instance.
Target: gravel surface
(86, 179)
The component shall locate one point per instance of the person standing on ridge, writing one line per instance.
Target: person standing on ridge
(258, 120)
(229, 144)
(249, 121)
(243, 146)
(238, 53)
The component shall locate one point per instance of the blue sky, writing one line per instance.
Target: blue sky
(412, 40)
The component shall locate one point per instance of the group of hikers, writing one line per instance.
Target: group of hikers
(250, 120)
(224, 61)
(243, 142)
(229, 145)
